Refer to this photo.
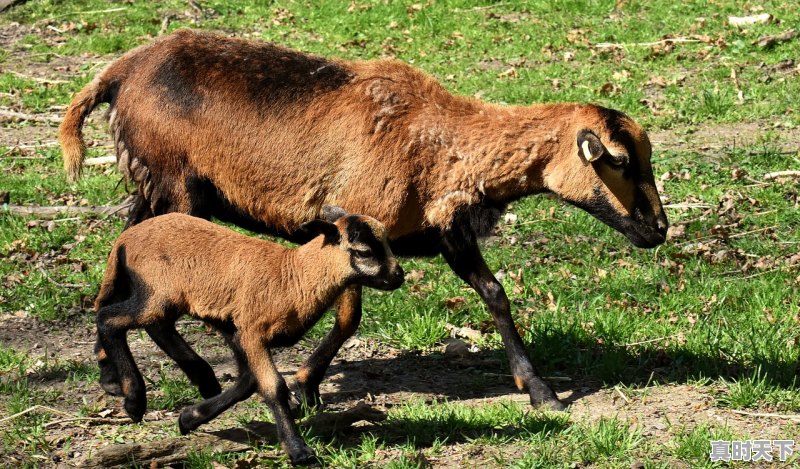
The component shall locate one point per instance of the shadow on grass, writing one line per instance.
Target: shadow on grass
(581, 363)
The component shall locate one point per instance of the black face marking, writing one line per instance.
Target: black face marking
(637, 228)
(270, 76)
(360, 232)
(614, 122)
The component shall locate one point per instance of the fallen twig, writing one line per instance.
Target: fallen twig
(37, 79)
(697, 205)
(622, 395)
(767, 414)
(32, 409)
(90, 12)
(51, 212)
(58, 284)
(174, 450)
(7, 114)
(613, 45)
(94, 420)
(650, 341)
(781, 174)
(769, 41)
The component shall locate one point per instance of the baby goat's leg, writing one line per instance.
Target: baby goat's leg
(276, 395)
(198, 370)
(113, 323)
(109, 378)
(198, 414)
(348, 317)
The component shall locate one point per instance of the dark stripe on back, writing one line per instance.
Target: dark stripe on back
(268, 75)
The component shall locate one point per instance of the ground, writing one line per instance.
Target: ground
(658, 352)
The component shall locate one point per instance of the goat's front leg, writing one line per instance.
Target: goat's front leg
(348, 317)
(464, 257)
(273, 389)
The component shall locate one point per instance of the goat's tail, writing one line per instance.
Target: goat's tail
(112, 286)
(69, 133)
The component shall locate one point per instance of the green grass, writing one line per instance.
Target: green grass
(716, 306)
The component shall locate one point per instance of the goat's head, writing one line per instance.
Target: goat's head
(364, 241)
(605, 169)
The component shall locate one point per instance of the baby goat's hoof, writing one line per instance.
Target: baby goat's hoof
(304, 401)
(303, 456)
(135, 408)
(186, 422)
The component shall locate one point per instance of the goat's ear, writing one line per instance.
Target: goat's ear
(590, 148)
(314, 228)
(332, 213)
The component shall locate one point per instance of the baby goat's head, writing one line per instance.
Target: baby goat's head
(364, 240)
(607, 172)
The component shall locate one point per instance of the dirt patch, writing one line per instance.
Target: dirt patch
(365, 371)
(713, 138)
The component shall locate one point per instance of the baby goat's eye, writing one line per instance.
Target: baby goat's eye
(362, 254)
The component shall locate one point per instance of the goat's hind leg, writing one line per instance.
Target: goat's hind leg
(197, 370)
(113, 323)
(203, 412)
(109, 377)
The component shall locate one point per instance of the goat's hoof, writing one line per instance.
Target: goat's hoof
(544, 398)
(304, 402)
(187, 421)
(303, 456)
(184, 427)
(210, 390)
(135, 409)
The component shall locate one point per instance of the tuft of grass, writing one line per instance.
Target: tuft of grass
(173, 392)
(693, 445)
(610, 439)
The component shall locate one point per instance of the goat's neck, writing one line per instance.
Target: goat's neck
(317, 275)
(495, 152)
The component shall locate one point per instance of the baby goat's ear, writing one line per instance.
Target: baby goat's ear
(314, 228)
(332, 213)
(590, 148)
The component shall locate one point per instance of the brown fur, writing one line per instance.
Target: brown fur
(264, 137)
(258, 293)
(387, 129)
(190, 264)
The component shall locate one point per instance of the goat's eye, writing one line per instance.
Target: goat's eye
(618, 161)
(359, 254)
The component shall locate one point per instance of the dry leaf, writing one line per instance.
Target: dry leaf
(457, 302)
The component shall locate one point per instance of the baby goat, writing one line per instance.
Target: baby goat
(258, 294)
(263, 136)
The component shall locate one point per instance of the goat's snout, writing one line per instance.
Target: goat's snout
(395, 278)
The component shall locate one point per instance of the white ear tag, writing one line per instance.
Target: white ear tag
(587, 153)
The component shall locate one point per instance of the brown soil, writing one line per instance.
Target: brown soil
(363, 371)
